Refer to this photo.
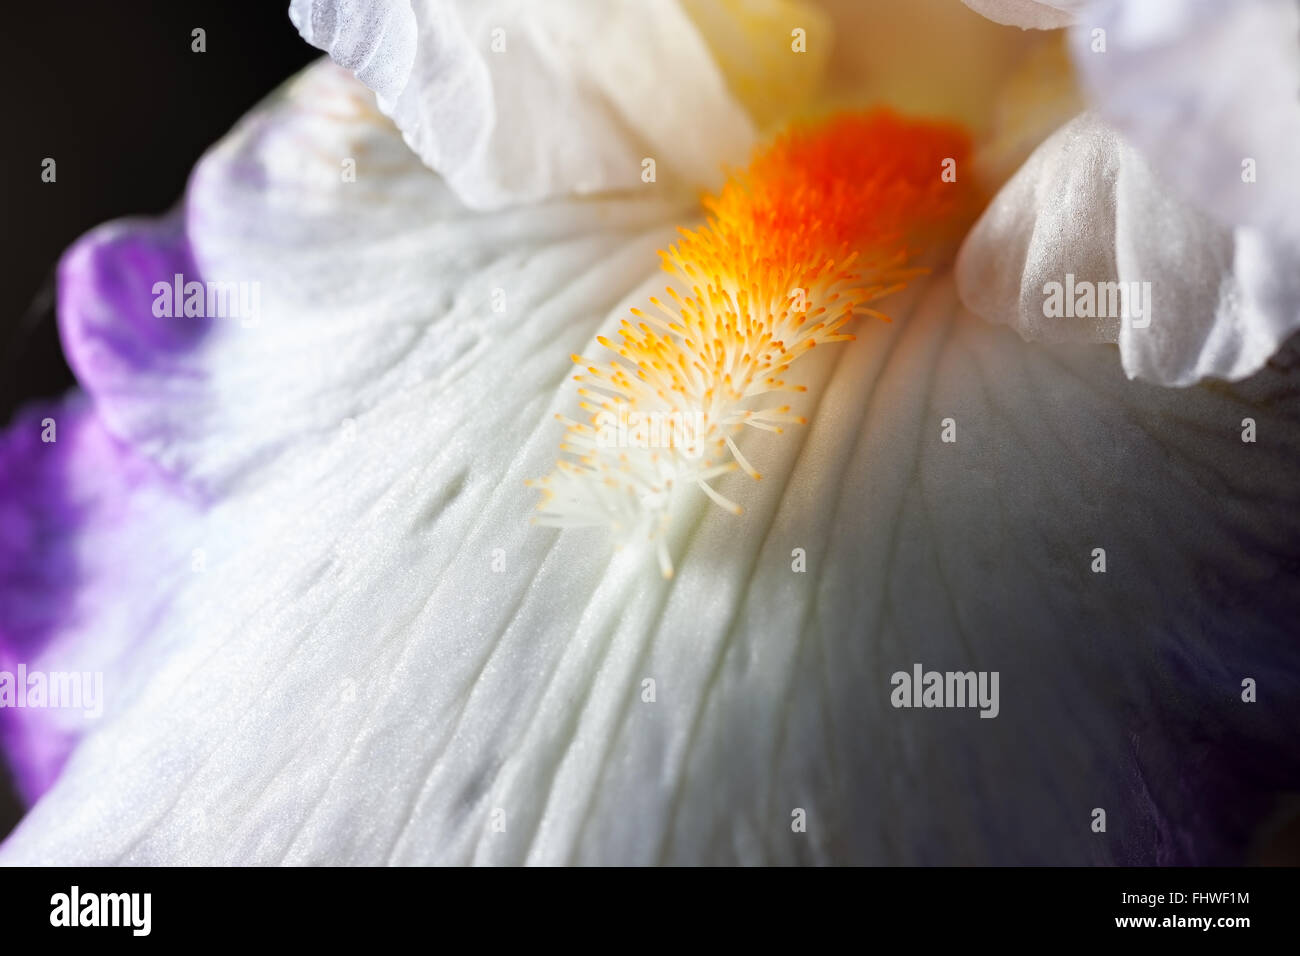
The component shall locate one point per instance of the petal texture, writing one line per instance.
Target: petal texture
(347, 275)
(99, 524)
(403, 691)
(516, 102)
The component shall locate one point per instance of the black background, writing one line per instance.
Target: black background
(924, 909)
(114, 94)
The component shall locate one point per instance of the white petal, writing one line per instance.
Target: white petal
(1202, 88)
(347, 274)
(1030, 14)
(516, 103)
(352, 679)
(376, 41)
(1055, 216)
(381, 694)
(1087, 208)
(1223, 300)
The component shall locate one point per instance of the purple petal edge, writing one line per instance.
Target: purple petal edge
(51, 491)
(56, 495)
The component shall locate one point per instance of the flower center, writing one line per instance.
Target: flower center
(825, 220)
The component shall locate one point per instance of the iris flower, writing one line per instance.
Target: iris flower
(299, 544)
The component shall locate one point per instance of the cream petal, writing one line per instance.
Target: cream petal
(1087, 208)
(772, 52)
(515, 103)
(927, 57)
(1034, 101)
(1207, 91)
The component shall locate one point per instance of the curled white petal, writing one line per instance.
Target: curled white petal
(1087, 216)
(376, 41)
(515, 103)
